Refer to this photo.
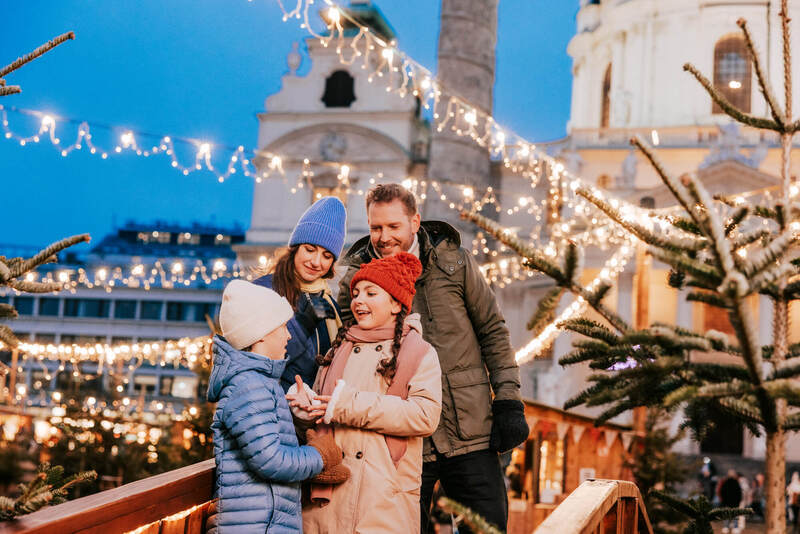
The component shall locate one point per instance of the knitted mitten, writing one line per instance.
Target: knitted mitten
(332, 475)
(327, 448)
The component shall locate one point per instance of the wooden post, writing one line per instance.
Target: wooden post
(12, 382)
(641, 305)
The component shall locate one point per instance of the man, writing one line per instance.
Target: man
(482, 412)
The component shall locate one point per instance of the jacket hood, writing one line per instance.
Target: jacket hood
(431, 234)
(228, 362)
(414, 321)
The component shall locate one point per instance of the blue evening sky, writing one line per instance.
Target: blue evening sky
(201, 69)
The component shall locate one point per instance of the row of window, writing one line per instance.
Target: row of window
(162, 385)
(732, 77)
(115, 309)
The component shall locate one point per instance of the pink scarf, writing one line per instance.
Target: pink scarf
(412, 349)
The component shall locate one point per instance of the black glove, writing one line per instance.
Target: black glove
(509, 427)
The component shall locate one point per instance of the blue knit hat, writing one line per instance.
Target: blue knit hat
(322, 224)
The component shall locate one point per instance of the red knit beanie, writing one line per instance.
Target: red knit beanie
(395, 274)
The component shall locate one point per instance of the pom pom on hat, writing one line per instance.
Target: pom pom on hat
(249, 312)
(323, 224)
(395, 274)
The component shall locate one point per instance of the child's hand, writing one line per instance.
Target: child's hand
(304, 403)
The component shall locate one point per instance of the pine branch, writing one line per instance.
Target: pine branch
(742, 409)
(731, 110)
(685, 264)
(679, 396)
(763, 81)
(675, 243)
(783, 388)
(592, 329)
(7, 337)
(736, 218)
(768, 255)
(476, 522)
(734, 388)
(36, 53)
(45, 255)
(746, 238)
(545, 311)
(708, 298)
(720, 514)
(7, 311)
(786, 369)
(10, 90)
(35, 287)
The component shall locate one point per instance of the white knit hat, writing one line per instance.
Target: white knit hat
(249, 312)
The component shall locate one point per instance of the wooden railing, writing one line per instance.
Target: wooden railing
(602, 507)
(176, 501)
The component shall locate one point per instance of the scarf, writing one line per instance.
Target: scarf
(412, 349)
(320, 285)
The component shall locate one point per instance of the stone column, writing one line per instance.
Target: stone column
(466, 62)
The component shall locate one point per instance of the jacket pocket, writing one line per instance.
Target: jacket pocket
(469, 389)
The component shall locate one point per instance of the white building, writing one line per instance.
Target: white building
(628, 79)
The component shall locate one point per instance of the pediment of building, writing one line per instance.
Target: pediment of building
(724, 178)
(339, 143)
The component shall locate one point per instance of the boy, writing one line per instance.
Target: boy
(259, 462)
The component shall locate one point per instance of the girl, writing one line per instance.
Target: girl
(300, 276)
(385, 393)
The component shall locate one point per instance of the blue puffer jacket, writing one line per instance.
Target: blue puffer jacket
(301, 352)
(259, 462)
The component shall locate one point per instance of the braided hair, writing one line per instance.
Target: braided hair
(324, 360)
(388, 366)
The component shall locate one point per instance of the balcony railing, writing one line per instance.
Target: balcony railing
(599, 506)
(176, 501)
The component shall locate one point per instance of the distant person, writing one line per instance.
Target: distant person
(259, 462)
(707, 476)
(793, 493)
(301, 276)
(730, 496)
(759, 497)
(747, 499)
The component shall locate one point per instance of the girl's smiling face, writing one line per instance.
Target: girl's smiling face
(311, 262)
(372, 306)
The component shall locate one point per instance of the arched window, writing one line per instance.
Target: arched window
(606, 109)
(339, 90)
(732, 72)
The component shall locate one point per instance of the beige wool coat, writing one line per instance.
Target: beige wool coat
(378, 498)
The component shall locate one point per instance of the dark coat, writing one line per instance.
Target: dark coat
(259, 462)
(302, 349)
(461, 319)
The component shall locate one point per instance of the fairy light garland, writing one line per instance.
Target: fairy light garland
(611, 270)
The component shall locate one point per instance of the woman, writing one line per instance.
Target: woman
(301, 275)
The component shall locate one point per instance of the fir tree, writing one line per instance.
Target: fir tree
(476, 522)
(723, 252)
(48, 487)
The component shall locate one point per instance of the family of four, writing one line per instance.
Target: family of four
(340, 416)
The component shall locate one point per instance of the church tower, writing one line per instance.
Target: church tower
(466, 63)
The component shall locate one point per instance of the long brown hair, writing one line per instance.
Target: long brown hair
(284, 279)
(388, 366)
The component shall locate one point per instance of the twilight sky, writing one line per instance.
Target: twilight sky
(201, 69)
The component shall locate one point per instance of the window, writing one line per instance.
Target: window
(71, 307)
(24, 305)
(176, 311)
(339, 90)
(605, 113)
(119, 340)
(125, 309)
(551, 467)
(151, 310)
(44, 338)
(144, 384)
(732, 72)
(199, 310)
(95, 308)
(49, 306)
(188, 238)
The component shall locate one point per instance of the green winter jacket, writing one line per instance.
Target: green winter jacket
(461, 319)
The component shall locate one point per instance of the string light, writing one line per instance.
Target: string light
(607, 275)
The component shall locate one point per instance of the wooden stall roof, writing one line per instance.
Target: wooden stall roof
(552, 413)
